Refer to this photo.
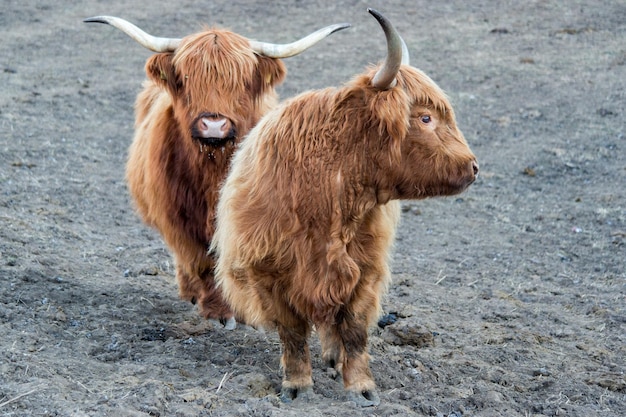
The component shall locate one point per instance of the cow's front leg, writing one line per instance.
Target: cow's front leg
(357, 376)
(296, 360)
(211, 302)
(189, 285)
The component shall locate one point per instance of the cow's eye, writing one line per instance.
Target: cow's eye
(426, 118)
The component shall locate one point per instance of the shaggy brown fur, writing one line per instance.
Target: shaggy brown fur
(173, 177)
(308, 213)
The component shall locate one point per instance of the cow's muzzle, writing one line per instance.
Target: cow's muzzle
(213, 129)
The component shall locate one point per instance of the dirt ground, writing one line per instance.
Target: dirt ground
(510, 299)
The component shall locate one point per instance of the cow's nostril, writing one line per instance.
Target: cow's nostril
(475, 167)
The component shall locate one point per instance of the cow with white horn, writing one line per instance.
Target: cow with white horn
(203, 94)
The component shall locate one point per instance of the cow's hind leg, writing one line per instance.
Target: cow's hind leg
(296, 359)
(357, 376)
(332, 349)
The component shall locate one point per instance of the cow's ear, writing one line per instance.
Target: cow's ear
(159, 69)
(271, 71)
(391, 111)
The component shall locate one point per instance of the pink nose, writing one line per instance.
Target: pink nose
(213, 128)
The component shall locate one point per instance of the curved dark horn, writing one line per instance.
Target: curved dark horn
(148, 41)
(397, 54)
(273, 50)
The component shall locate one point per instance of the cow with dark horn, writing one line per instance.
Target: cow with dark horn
(308, 212)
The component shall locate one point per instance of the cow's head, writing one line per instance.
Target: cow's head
(427, 154)
(220, 82)
(219, 86)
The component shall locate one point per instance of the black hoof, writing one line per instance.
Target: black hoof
(331, 368)
(229, 324)
(287, 395)
(367, 398)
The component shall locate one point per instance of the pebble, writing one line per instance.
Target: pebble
(407, 334)
(541, 372)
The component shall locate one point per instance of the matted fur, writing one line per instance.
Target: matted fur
(173, 178)
(308, 212)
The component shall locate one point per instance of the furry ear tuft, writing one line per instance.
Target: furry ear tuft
(391, 109)
(160, 69)
(391, 112)
(271, 72)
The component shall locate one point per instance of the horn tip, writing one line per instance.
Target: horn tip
(340, 26)
(96, 19)
(378, 16)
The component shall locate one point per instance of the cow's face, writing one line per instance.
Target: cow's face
(220, 88)
(433, 158)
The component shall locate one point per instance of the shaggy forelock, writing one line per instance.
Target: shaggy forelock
(217, 58)
(423, 90)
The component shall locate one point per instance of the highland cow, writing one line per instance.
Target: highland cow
(203, 94)
(308, 212)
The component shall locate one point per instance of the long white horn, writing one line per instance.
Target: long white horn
(273, 50)
(153, 43)
(397, 54)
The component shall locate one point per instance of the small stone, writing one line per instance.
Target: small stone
(60, 316)
(387, 319)
(494, 397)
(408, 334)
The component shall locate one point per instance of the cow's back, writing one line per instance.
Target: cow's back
(280, 222)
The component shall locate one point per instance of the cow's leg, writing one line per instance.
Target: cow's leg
(332, 349)
(189, 285)
(296, 359)
(197, 285)
(211, 303)
(357, 377)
